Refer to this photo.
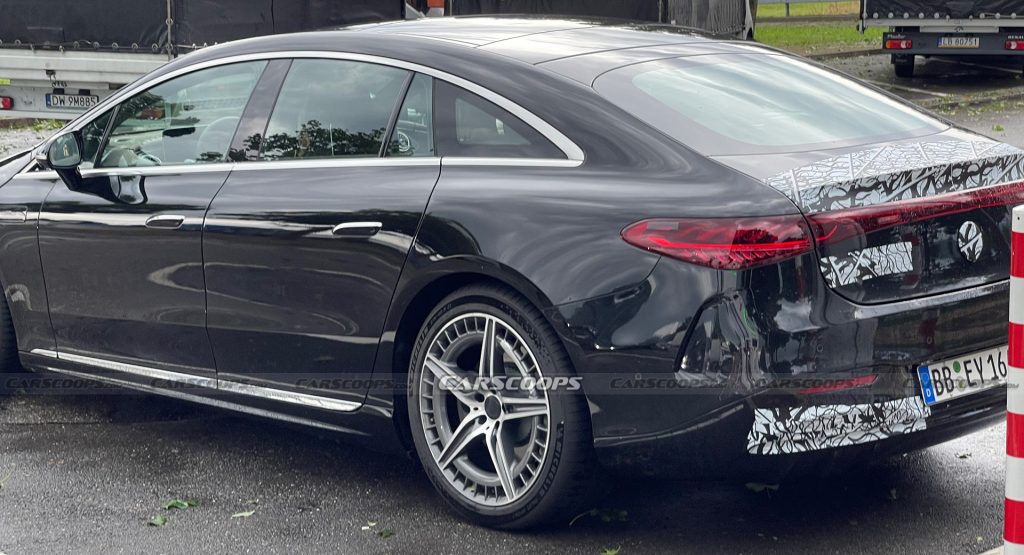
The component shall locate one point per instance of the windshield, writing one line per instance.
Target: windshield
(756, 103)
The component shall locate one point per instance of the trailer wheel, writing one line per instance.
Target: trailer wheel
(903, 66)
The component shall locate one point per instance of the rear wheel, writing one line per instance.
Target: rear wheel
(8, 343)
(501, 448)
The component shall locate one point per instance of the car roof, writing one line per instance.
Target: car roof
(581, 48)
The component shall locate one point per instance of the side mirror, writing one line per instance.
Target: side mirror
(64, 156)
(64, 153)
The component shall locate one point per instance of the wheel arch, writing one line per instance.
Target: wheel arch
(417, 297)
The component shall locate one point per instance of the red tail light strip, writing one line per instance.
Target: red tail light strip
(832, 227)
(842, 385)
(744, 243)
(720, 243)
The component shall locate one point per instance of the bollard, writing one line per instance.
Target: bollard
(1014, 523)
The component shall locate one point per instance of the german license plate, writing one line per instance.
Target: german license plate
(74, 101)
(956, 377)
(959, 42)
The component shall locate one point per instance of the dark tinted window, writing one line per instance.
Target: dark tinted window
(414, 126)
(187, 120)
(333, 108)
(470, 126)
(751, 103)
(92, 138)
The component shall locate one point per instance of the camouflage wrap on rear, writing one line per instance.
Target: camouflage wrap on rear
(899, 172)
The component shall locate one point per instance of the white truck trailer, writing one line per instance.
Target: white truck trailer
(950, 28)
(60, 57)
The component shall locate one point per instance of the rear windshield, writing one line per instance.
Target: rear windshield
(757, 103)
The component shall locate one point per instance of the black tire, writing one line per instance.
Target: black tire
(562, 486)
(9, 361)
(904, 70)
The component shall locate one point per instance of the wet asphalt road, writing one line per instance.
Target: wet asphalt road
(85, 473)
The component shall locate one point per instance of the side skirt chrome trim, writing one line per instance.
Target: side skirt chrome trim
(304, 399)
(227, 405)
(143, 371)
(291, 397)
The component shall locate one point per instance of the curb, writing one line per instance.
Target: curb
(967, 102)
(846, 54)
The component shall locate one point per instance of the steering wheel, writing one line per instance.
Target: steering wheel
(128, 158)
(216, 138)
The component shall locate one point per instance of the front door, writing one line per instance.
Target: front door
(121, 249)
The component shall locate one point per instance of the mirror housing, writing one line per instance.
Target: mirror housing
(64, 153)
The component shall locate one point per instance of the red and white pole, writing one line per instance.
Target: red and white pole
(1014, 524)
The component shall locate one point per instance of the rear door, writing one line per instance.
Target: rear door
(122, 254)
(304, 245)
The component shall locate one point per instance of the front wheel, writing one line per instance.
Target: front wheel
(496, 415)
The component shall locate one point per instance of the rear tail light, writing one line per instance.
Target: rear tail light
(722, 243)
(1015, 45)
(841, 385)
(6, 103)
(833, 227)
(898, 44)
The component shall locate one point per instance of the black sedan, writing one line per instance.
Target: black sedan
(525, 251)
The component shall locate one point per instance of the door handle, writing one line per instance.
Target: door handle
(357, 229)
(165, 221)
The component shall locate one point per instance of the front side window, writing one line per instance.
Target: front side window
(470, 126)
(333, 109)
(187, 120)
(92, 138)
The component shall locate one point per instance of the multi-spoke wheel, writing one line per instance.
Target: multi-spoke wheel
(500, 441)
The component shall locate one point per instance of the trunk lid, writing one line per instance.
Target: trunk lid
(906, 220)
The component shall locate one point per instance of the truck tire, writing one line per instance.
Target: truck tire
(904, 67)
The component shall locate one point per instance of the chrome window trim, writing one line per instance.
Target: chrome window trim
(510, 162)
(290, 397)
(323, 163)
(571, 150)
(335, 163)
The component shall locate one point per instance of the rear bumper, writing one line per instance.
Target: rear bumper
(677, 368)
(721, 445)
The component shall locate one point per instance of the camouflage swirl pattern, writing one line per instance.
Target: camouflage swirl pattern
(899, 172)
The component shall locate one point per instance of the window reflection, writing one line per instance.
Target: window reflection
(333, 108)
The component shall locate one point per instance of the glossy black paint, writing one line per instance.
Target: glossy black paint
(256, 287)
(289, 299)
(120, 288)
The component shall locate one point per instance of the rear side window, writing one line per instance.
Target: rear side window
(333, 109)
(414, 124)
(757, 103)
(470, 126)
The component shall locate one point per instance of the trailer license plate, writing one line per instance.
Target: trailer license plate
(949, 379)
(75, 101)
(959, 42)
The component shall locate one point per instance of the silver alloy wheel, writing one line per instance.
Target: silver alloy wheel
(489, 442)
